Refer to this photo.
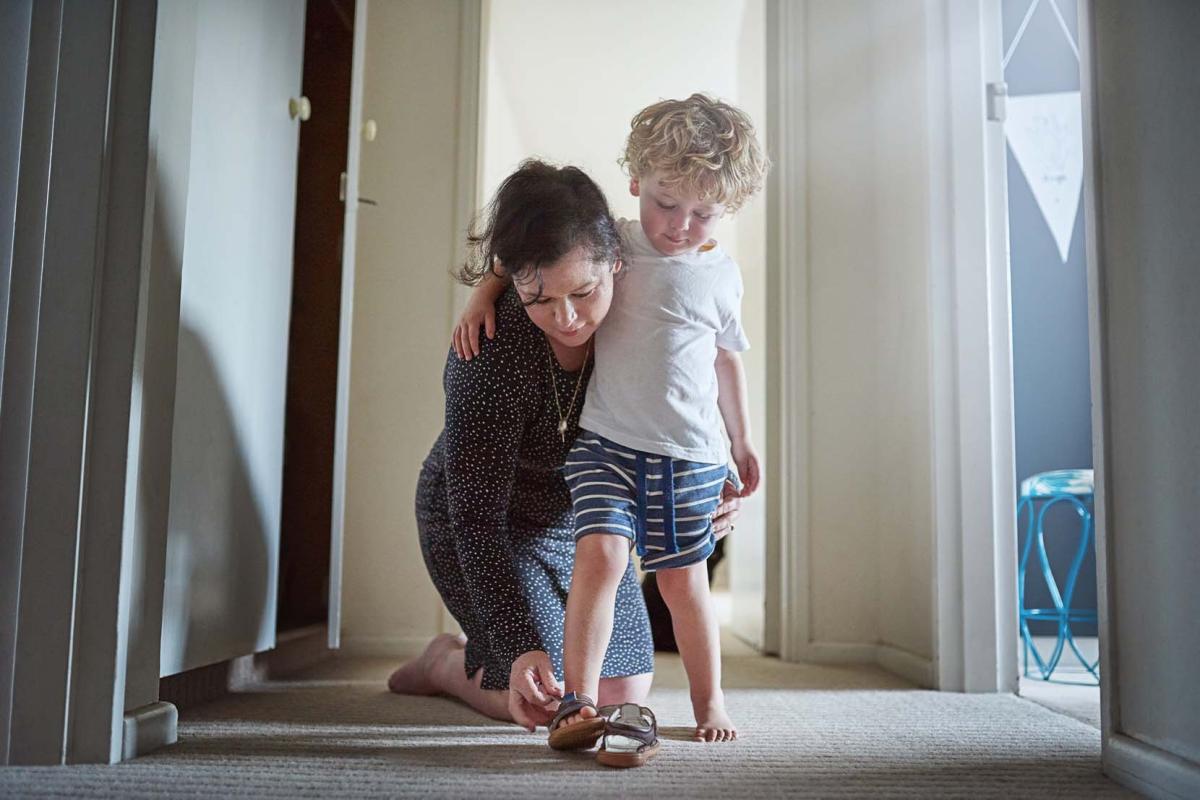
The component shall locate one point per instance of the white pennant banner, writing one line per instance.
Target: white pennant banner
(1045, 132)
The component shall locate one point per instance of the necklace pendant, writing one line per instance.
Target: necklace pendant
(562, 430)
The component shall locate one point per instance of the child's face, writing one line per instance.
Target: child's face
(673, 217)
(575, 295)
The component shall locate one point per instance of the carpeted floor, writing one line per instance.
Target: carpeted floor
(807, 731)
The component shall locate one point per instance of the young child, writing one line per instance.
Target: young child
(650, 463)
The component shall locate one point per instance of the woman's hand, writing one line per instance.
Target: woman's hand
(533, 691)
(727, 511)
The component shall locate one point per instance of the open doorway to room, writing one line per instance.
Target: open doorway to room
(308, 461)
(1058, 647)
(570, 100)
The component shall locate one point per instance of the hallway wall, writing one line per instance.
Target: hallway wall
(870, 232)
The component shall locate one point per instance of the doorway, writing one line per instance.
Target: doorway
(312, 374)
(1050, 355)
(570, 101)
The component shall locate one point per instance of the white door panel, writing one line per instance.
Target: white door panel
(1141, 111)
(223, 542)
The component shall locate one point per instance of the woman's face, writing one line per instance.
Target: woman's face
(574, 299)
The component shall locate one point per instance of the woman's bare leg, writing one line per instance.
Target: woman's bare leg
(441, 670)
(626, 689)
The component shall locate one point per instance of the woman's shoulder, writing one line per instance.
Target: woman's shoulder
(511, 314)
(504, 359)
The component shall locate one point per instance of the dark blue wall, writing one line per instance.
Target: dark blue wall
(1049, 304)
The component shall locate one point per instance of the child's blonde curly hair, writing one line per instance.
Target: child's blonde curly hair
(701, 143)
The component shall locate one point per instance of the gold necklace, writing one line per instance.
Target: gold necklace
(562, 420)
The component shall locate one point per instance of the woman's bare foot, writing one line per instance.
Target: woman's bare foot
(420, 675)
(712, 722)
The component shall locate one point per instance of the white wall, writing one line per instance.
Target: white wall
(568, 96)
(402, 304)
(868, 251)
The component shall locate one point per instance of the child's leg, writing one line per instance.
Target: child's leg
(600, 562)
(695, 621)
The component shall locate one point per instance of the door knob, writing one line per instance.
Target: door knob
(370, 130)
(299, 107)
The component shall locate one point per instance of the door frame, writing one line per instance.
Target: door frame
(974, 479)
(337, 530)
(786, 586)
(466, 182)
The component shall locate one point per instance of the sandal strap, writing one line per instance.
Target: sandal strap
(571, 704)
(616, 726)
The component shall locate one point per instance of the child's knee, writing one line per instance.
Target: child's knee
(682, 583)
(602, 555)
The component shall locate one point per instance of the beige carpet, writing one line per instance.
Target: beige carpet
(808, 731)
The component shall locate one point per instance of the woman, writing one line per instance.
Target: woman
(493, 510)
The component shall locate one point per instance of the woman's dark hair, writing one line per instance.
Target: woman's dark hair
(538, 215)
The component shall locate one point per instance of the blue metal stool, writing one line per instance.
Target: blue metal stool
(1039, 494)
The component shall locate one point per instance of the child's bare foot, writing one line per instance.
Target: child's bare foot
(419, 675)
(582, 726)
(712, 722)
(584, 713)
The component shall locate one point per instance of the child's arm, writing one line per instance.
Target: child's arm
(734, 405)
(480, 310)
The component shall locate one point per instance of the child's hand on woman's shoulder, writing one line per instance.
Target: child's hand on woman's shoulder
(480, 312)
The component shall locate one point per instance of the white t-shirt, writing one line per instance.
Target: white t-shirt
(654, 387)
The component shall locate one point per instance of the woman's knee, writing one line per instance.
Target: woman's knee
(625, 689)
(601, 556)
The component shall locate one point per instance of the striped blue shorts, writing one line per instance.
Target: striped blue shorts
(663, 505)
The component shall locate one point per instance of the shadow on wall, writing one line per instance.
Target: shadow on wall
(218, 570)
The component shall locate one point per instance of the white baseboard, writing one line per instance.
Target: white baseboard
(838, 653)
(383, 646)
(907, 665)
(1149, 770)
(149, 727)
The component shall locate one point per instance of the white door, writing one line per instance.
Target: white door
(1141, 112)
(227, 458)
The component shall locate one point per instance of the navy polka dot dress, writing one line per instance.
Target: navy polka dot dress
(494, 512)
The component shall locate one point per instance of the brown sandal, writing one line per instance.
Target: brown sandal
(630, 737)
(580, 735)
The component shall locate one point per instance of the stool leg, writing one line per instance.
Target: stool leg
(1052, 585)
(1084, 540)
(1025, 504)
